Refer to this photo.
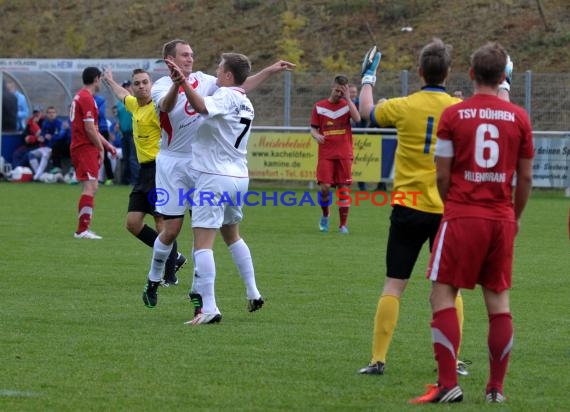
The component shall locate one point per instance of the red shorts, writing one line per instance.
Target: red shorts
(335, 172)
(473, 250)
(85, 160)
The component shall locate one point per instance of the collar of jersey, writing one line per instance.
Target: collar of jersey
(237, 89)
(433, 88)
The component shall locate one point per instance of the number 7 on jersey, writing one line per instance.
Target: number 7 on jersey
(247, 123)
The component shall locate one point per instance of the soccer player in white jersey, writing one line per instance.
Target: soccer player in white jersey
(219, 158)
(179, 122)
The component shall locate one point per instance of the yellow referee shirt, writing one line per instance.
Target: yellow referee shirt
(146, 129)
(416, 117)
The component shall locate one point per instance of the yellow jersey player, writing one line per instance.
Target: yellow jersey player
(412, 224)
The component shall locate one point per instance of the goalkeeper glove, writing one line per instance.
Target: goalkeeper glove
(370, 65)
(506, 84)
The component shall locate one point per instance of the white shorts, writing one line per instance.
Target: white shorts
(218, 200)
(174, 184)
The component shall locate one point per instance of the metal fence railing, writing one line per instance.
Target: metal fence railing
(287, 100)
(545, 96)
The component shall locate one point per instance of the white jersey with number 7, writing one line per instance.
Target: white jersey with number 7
(219, 146)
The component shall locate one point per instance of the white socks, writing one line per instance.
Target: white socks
(160, 254)
(204, 278)
(242, 259)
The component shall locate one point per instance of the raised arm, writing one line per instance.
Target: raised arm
(368, 71)
(254, 81)
(505, 87)
(366, 102)
(118, 91)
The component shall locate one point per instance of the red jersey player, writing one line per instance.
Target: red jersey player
(87, 148)
(482, 143)
(330, 127)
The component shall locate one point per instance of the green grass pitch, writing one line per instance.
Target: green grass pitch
(75, 335)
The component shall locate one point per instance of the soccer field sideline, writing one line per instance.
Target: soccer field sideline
(77, 337)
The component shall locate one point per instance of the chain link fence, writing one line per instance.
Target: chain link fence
(545, 96)
(287, 99)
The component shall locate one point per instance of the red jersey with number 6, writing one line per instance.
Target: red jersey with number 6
(83, 109)
(489, 136)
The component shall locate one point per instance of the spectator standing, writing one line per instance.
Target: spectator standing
(130, 163)
(103, 126)
(114, 127)
(353, 92)
(9, 110)
(23, 108)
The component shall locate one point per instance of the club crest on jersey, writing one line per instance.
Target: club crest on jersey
(189, 109)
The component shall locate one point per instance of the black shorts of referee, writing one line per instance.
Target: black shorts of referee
(143, 193)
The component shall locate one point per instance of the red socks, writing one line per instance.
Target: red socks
(500, 341)
(446, 337)
(343, 213)
(85, 212)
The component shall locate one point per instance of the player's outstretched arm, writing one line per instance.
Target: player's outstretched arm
(369, 67)
(255, 80)
(505, 87)
(118, 91)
